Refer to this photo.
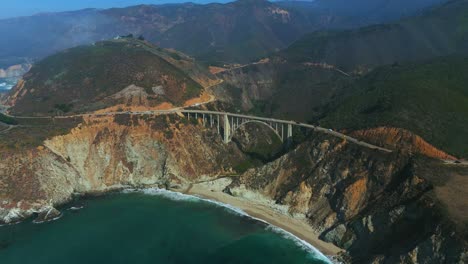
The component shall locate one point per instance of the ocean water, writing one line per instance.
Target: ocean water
(7, 83)
(152, 227)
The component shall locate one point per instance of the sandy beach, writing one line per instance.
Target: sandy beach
(295, 226)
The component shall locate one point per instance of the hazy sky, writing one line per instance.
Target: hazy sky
(12, 8)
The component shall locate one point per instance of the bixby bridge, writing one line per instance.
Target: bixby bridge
(282, 128)
(229, 122)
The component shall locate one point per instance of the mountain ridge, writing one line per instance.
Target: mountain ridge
(440, 31)
(220, 32)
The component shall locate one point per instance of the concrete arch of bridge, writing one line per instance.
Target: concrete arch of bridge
(258, 122)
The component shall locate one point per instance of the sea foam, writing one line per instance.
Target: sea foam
(175, 196)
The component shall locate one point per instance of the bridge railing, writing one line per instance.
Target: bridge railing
(231, 127)
(290, 124)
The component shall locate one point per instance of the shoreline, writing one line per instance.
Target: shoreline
(296, 227)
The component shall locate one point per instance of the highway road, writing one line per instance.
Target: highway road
(184, 110)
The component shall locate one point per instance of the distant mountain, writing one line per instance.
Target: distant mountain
(439, 32)
(124, 73)
(236, 32)
(365, 12)
(342, 14)
(239, 31)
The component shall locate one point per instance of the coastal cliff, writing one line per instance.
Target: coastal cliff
(379, 207)
(103, 154)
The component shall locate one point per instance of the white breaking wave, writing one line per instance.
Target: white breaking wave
(175, 196)
(7, 83)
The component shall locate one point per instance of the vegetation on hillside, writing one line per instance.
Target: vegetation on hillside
(285, 90)
(81, 78)
(31, 133)
(8, 120)
(429, 99)
(441, 31)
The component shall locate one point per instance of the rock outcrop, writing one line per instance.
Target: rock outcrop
(380, 207)
(103, 154)
(398, 138)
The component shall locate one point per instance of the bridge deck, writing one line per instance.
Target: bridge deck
(264, 119)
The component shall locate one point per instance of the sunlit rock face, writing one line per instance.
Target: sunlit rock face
(102, 154)
(380, 207)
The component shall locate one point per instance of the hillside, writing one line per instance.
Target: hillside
(283, 90)
(379, 207)
(240, 31)
(235, 32)
(429, 99)
(366, 12)
(439, 32)
(121, 72)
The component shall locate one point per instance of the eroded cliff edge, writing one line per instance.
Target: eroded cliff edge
(108, 153)
(380, 207)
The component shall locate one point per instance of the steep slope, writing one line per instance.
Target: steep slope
(106, 153)
(365, 12)
(429, 99)
(438, 32)
(282, 89)
(382, 208)
(240, 31)
(402, 139)
(212, 31)
(233, 32)
(86, 78)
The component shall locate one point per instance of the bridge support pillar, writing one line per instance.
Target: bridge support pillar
(290, 133)
(282, 132)
(218, 123)
(227, 129)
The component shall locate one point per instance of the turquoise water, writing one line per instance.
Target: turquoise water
(144, 228)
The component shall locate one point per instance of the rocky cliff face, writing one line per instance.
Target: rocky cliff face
(380, 207)
(397, 138)
(109, 153)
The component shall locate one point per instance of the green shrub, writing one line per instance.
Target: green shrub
(64, 107)
(8, 120)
